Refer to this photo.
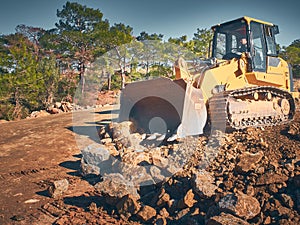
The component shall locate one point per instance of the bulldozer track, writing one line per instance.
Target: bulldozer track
(26, 172)
(223, 117)
(217, 110)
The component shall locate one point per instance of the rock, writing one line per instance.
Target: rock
(138, 175)
(271, 178)
(53, 110)
(156, 174)
(112, 149)
(226, 219)
(287, 200)
(36, 114)
(250, 190)
(228, 184)
(283, 211)
(128, 205)
(268, 220)
(159, 160)
(146, 213)
(182, 213)
(188, 201)
(248, 161)
(121, 129)
(204, 184)
(164, 213)
(93, 207)
(86, 168)
(272, 188)
(135, 158)
(260, 170)
(163, 199)
(106, 141)
(57, 188)
(121, 133)
(103, 132)
(95, 158)
(290, 167)
(57, 105)
(241, 205)
(114, 187)
(68, 106)
(134, 141)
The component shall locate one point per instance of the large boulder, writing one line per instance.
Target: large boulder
(114, 187)
(95, 160)
(239, 204)
(271, 178)
(248, 161)
(204, 184)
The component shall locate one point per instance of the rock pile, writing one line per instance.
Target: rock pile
(36, 114)
(254, 177)
(59, 107)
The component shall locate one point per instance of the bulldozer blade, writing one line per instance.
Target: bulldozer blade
(194, 115)
(154, 106)
(163, 106)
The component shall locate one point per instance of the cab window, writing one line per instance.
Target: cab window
(270, 40)
(230, 40)
(258, 49)
(221, 45)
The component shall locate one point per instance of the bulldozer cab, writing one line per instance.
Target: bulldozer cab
(254, 37)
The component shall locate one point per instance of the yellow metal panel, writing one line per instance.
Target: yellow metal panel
(264, 79)
(227, 74)
(249, 19)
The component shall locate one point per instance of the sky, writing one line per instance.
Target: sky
(172, 18)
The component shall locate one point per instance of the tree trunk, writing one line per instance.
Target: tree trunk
(82, 76)
(122, 68)
(18, 108)
(108, 81)
(122, 78)
(50, 98)
(147, 69)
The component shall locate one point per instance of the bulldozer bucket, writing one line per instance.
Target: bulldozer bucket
(163, 106)
(194, 115)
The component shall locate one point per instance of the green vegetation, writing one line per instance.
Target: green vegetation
(38, 66)
(292, 55)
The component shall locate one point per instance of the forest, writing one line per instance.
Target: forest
(39, 66)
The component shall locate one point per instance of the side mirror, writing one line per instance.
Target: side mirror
(276, 29)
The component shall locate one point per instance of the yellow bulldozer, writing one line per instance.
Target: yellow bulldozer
(243, 84)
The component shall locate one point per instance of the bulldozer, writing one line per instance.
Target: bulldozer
(242, 84)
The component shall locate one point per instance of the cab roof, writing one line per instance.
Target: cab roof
(244, 18)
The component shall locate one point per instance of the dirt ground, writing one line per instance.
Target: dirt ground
(35, 152)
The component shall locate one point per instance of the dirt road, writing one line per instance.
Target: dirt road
(36, 152)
